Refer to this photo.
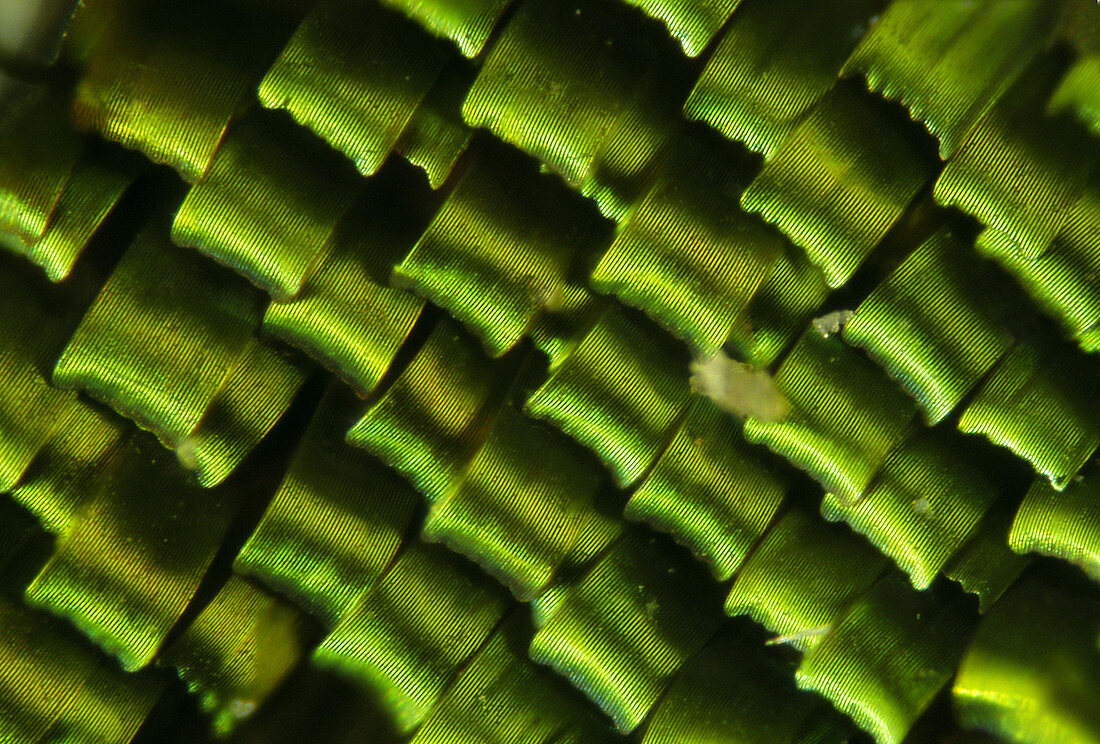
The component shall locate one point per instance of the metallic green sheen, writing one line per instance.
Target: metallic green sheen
(619, 393)
(948, 63)
(1039, 403)
(1020, 172)
(346, 317)
(774, 62)
(1062, 524)
(933, 324)
(780, 309)
(709, 490)
(1064, 281)
(886, 660)
(840, 181)
(468, 23)
(354, 74)
(686, 254)
(335, 522)
(237, 652)
(502, 696)
(525, 503)
(434, 417)
(846, 417)
(924, 505)
(571, 84)
(1034, 665)
(625, 629)
(985, 566)
(801, 576)
(693, 23)
(134, 553)
(501, 248)
(409, 635)
(38, 153)
(732, 692)
(209, 389)
(52, 683)
(268, 205)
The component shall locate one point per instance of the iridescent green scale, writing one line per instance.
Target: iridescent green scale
(709, 490)
(335, 522)
(889, 656)
(846, 416)
(625, 629)
(409, 636)
(934, 324)
(508, 232)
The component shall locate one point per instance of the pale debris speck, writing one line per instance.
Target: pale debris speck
(187, 453)
(740, 389)
(833, 322)
(241, 708)
(799, 636)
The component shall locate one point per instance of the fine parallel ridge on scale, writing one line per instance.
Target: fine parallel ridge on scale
(545, 372)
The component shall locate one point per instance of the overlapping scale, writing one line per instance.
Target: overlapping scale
(50, 441)
(1031, 671)
(134, 552)
(572, 86)
(889, 656)
(802, 575)
(335, 522)
(985, 566)
(436, 136)
(409, 635)
(1039, 404)
(1063, 524)
(686, 254)
(780, 309)
(167, 79)
(38, 153)
(691, 22)
(210, 390)
(774, 62)
(97, 184)
(55, 188)
(420, 642)
(1019, 172)
(53, 688)
(468, 23)
(709, 490)
(434, 417)
(619, 393)
(1063, 280)
(354, 73)
(525, 502)
(924, 505)
(948, 63)
(557, 332)
(625, 629)
(933, 324)
(841, 179)
(501, 248)
(1077, 93)
(502, 697)
(846, 418)
(34, 328)
(268, 205)
(237, 651)
(731, 691)
(346, 316)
